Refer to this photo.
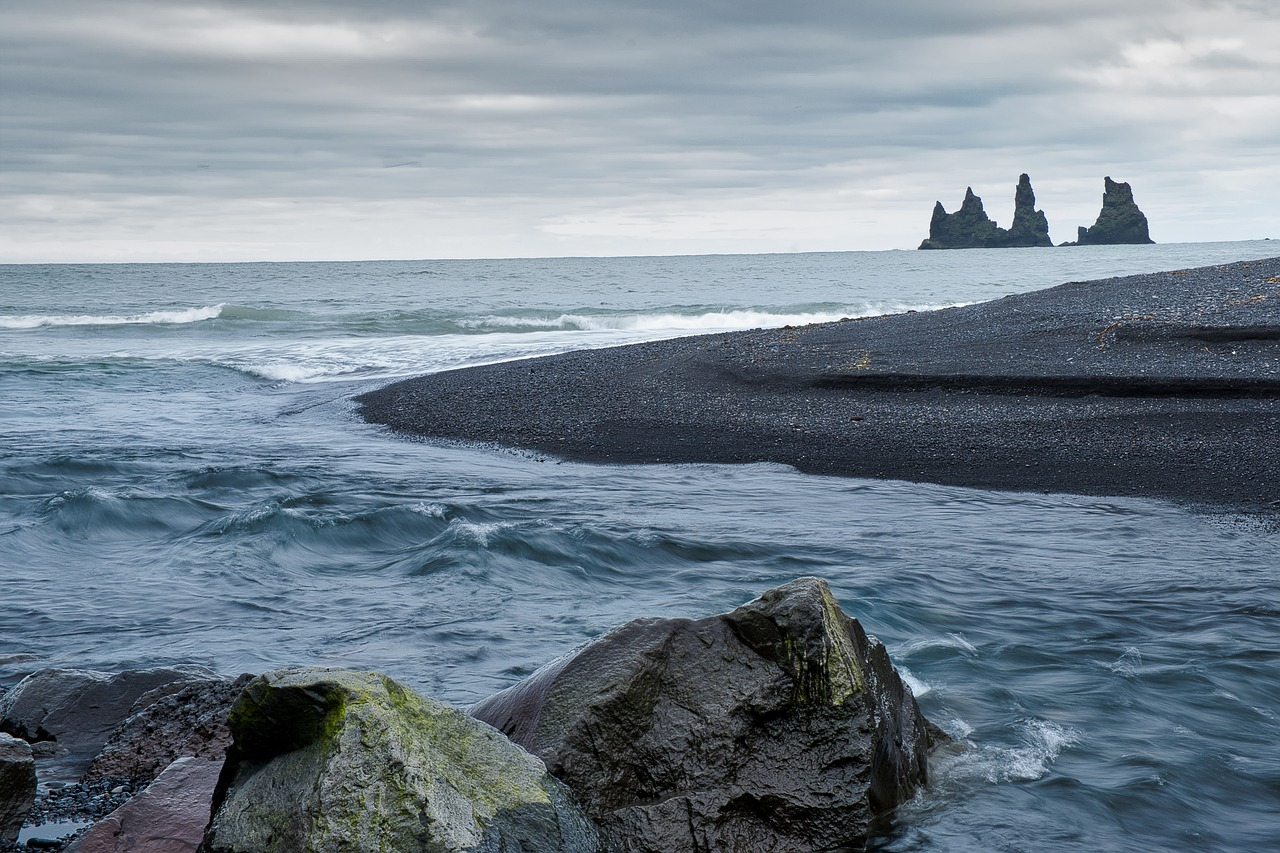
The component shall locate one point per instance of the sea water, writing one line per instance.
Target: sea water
(183, 479)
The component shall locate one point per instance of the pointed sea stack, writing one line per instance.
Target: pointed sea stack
(1119, 222)
(1030, 226)
(971, 228)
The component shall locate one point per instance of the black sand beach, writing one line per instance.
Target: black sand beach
(1163, 385)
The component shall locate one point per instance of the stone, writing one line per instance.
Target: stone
(1119, 222)
(191, 721)
(335, 760)
(971, 228)
(778, 726)
(79, 708)
(17, 785)
(170, 816)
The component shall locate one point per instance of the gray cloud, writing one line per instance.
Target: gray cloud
(144, 129)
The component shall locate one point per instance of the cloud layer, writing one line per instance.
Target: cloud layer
(279, 130)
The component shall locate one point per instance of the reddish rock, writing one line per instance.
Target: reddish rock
(168, 817)
(17, 785)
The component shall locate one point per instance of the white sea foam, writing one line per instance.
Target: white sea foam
(175, 316)
(710, 321)
(1128, 664)
(1042, 742)
(949, 641)
(918, 686)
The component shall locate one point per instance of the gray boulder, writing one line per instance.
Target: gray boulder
(168, 817)
(77, 708)
(191, 721)
(17, 785)
(778, 726)
(333, 760)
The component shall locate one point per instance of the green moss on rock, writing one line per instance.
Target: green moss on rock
(336, 760)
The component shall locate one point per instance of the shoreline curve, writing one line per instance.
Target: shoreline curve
(1164, 385)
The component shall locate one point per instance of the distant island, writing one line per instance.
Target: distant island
(1120, 221)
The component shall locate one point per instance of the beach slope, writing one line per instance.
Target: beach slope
(1163, 385)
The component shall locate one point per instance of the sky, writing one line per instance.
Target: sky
(138, 130)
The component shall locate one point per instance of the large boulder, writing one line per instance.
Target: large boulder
(335, 760)
(1119, 221)
(17, 785)
(191, 721)
(778, 726)
(168, 817)
(78, 708)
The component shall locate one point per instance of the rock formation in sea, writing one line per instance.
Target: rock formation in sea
(971, 228)
(1120, 221)
(331, 759)
(778, 726)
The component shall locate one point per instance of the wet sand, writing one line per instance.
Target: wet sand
(1163, 385)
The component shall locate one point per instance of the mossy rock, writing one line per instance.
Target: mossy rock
(336, 760)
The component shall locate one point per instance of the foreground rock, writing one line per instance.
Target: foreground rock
(778, 726)
(168, 817)
(17, 785)
(189, 722)
(1120, 221)
(970, 228)
(334, 760)
(77, 709)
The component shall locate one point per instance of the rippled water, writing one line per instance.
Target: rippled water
(182, 479)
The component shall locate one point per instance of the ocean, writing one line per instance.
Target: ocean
(183, 479)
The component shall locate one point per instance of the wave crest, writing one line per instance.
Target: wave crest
(175, 316)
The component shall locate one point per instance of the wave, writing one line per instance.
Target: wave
(708, 321)
(174, 316)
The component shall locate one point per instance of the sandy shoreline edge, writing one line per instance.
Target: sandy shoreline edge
(1164, 385)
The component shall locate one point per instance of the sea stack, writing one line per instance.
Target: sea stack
(1120, 221)
(971, 228)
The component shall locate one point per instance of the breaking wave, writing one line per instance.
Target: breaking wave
(708, 321)
(175, 316)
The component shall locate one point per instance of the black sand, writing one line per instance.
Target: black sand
(1164, 385)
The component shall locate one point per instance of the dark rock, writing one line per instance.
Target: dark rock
(329, 759)
(778, 726)
(1120, 221)
(1030, 226)
(189, 722)
(970, 227)
(17, 785)
(79, 708)
(170, 816)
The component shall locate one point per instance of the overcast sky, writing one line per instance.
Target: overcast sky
(315, 129)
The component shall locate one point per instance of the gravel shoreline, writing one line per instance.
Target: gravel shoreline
(1164, 385)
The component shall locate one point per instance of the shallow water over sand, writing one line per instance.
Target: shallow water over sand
(183, 485)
